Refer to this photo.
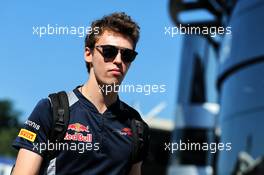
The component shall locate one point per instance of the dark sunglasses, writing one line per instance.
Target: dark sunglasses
(109, 52)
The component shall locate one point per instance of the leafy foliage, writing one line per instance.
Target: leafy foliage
(9, 127)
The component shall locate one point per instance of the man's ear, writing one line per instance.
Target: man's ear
(88, 55)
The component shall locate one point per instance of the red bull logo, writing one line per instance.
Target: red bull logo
(78, 127)
(78, 134)
(79, 137)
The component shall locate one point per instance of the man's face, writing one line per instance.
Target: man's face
(109, 72)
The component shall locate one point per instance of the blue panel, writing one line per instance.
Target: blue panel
(247, 39)
(195, 45)
(243, 91)
(245, 132)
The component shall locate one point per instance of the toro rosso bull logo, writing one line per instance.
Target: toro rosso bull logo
(124, 132)
(78, 132)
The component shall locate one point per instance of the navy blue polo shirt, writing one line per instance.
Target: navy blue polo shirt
(94, 144)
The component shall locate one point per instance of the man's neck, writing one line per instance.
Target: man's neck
(92, 91)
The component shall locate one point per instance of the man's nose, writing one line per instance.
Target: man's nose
(118, 59)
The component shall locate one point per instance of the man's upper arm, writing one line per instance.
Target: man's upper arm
(27, 163)
(136, 169)
(35, 130)
(32, 134)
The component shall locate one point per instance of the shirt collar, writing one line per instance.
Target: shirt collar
(114, 110)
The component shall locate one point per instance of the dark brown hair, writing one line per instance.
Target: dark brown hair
(118, 22)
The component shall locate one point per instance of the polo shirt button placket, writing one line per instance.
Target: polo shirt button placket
(101, 128)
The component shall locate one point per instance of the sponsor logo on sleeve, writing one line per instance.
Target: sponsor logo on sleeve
(28, 135)
(32, 124)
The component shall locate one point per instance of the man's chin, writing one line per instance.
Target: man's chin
(114, 81)
(110, 86)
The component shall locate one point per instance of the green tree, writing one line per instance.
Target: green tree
(9, 127)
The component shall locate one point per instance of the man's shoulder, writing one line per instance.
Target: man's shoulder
(128, 108)
(132, 112)
(43, 105)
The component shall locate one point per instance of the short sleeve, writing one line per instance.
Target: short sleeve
(144, 149)
(33, 135)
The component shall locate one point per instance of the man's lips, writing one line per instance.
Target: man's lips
(116, 71)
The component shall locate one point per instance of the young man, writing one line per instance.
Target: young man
(99, 136)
